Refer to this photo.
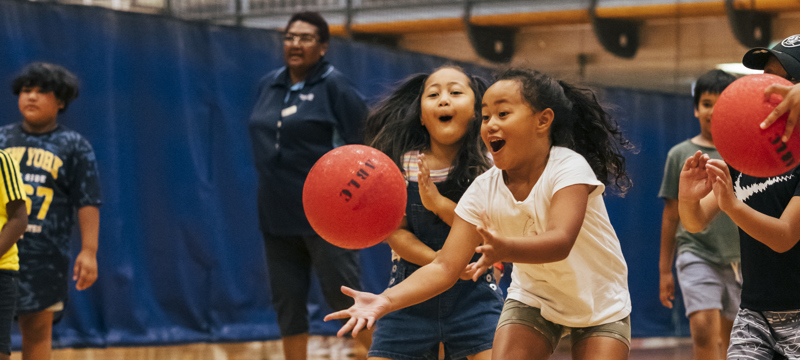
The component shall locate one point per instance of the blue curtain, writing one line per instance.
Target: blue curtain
(165, 104)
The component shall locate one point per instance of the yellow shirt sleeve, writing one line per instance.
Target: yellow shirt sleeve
(11, 189)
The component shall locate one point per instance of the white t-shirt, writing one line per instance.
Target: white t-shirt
(590, 286)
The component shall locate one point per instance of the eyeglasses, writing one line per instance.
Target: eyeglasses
(304, 39)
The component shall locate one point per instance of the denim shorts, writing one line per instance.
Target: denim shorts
(515, 312)
(290, 261)
(9, 280)
(706, 285)
(463, 318)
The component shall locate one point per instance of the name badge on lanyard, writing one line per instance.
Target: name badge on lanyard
(289, 111)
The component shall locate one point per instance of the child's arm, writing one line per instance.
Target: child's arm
(432, 200)
(790, 103)
(425, 283)
(554, 244)
(85, 270)
(779, 234)
(669, 226)
(15, 226)
(409, 247)
(697, 204)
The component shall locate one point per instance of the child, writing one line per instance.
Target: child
(540, 207)
(767, 211)
(707, 262)
(13, 220)
(436, 141)
(59, 169)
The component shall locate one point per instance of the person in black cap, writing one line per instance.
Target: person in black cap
(767, 211)
(783, 59)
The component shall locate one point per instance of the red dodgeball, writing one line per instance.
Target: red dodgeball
(737, 135)
(354, 196)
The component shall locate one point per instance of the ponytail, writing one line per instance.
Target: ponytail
(596, 136)
(580, 123)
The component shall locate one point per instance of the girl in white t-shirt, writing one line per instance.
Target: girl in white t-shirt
(541, 207)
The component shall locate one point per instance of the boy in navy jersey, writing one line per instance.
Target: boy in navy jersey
(59, 171)
(767, 211)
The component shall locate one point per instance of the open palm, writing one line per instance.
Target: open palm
(367, 309)
(695, 182)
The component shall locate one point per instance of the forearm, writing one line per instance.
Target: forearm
(550, 246)
(425, 283)
(696, 215)
(446, 210)
(89, 222)
(438, 276)
(15, 226)
(779, 234)
(12, 231)
(667, 254)
(669, 226)
(410, 248)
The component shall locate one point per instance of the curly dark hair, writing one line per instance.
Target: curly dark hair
(48, 78)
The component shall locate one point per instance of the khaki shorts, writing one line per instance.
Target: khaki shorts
(515, 312)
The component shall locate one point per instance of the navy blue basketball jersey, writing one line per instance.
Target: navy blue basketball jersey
(59, 172)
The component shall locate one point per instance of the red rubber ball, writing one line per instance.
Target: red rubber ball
(735, 128)
(354, 196)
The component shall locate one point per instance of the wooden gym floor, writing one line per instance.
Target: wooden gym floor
(324, 348)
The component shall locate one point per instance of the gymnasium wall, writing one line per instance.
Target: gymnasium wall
(165, 104)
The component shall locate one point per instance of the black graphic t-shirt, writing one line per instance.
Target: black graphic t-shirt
(771, 279)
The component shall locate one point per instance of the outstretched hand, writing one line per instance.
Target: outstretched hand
(493, 249)
(695, 182)
(367, 309)
(790, 103)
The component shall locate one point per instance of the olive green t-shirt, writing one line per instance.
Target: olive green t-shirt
(719, 241)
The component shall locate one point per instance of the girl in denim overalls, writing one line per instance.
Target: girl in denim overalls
(432, 122)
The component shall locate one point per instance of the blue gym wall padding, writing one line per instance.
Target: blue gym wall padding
(165, 104)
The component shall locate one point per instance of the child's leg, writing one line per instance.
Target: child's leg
(609, 341)
(520, 342)
(710, 294)
(37, 333)
(8, 298)
(598, 347)
(483, 355)
(706, 334)
(725, 328)
(522, 333)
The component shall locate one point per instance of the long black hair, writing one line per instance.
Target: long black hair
(394, 128)
(580, 123)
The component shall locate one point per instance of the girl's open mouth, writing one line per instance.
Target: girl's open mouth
(497, 144)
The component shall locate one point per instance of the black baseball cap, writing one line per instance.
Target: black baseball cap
(786, 51)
